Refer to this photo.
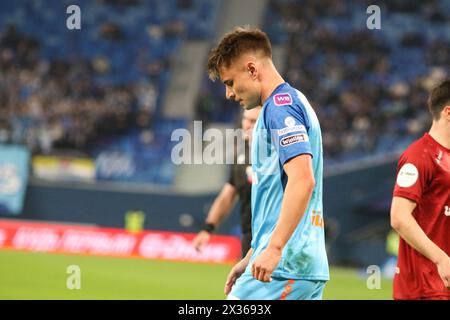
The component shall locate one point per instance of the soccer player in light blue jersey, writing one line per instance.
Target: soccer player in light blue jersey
(287, 259)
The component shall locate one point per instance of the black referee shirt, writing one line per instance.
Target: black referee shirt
(241, 178)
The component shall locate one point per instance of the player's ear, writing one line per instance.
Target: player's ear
(252, 70)
(446, 113)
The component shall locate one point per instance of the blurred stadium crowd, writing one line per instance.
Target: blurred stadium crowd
(57, 105)
(102, 89)
(369, 87)
(86, 92)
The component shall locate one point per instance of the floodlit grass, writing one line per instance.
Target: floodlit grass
(25, 275)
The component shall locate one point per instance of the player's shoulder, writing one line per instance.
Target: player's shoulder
(416, 147)
(286, 100)
(286, 105)
(418, 151)
(286, 96)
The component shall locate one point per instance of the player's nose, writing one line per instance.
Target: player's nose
(229, 94)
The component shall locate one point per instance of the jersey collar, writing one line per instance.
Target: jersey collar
(431, 139)
(279, 88)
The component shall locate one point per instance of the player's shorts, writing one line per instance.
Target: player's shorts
(248, 288)
(428, 298)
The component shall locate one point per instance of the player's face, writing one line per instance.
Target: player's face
(248, 121)
(241, 84)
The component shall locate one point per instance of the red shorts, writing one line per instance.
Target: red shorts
(430, 298)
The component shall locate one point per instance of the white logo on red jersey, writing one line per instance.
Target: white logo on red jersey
(447, 211)
(439, 157)
(407, 176)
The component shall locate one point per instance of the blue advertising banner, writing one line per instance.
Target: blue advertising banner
(14, 164)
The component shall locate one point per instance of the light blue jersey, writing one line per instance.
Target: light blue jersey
(287, 127)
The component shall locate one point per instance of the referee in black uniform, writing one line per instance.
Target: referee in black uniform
(238, 186)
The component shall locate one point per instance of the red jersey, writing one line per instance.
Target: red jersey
(423, 175)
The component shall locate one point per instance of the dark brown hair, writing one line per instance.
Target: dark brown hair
(439, 98)
(236, 42)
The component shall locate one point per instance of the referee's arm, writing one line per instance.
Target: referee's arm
(220, 209)
(222, 205)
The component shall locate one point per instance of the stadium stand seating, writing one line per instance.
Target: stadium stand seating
(99, 89)
(369, 87)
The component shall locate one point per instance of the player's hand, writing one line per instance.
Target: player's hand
(443, 267)
(265, 264)
(234, 274)
(201, 239)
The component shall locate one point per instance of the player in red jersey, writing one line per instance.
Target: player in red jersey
(420, 210)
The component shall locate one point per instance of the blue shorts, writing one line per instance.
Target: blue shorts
(248, 288)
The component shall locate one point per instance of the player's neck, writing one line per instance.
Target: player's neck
(274, 80)
(440, 132)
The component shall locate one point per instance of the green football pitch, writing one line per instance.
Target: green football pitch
(25, 275)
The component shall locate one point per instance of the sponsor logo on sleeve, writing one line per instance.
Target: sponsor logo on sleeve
(298, 128)
(407, 176)
(447, 211)
(290, 127)
(302, 137)
(289, 121)
(282, 99)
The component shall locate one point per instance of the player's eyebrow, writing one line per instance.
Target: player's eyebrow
(228, 82)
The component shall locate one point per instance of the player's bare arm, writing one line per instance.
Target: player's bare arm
(220, 209)
(297, 194)
(403, 221)
(237, 271)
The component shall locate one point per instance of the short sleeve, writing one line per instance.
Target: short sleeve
(414, 174)
(288, 126)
